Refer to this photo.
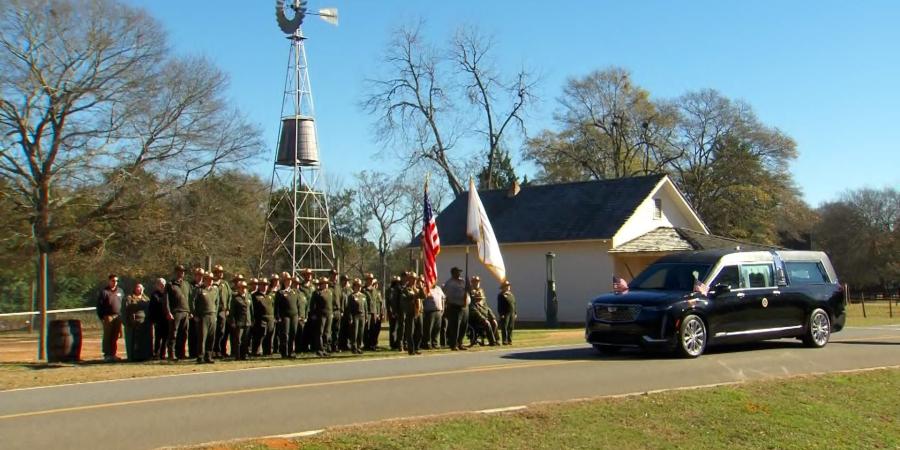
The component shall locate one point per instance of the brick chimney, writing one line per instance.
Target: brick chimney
(513, 190)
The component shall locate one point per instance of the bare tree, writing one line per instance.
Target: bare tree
(623, 131)
(92, 104)
(380, 198)
(501, 103)
(412, 104)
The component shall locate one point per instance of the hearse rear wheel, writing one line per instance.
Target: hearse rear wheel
(691, 336)
(818, 329)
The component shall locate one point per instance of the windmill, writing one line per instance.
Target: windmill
(298, 226)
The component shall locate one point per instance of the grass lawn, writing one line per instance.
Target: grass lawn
(24, 373)
(877, 313)
(858, 410)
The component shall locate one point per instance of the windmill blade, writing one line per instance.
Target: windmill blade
(329, 15)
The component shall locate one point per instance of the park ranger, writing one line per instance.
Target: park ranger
(306, 336)
(264, 318)
(222, 331)
(206, 302)
(357, 309)
(480, 314)
(287, 314)
(411, 296)
(456, 309)
(376, 312)
(396, 324)
(240, 317)
(274, 287)
(340, 286)
(506, 306)
(195, 348)
(180, 307)
(302, 313)
(320, 310)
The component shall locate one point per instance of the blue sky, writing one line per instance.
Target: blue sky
(824, 72)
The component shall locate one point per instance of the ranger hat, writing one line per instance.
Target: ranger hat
(324, 280)
(241, 283)
(395, 278)
(306, 271)
(285, 276)
(334, 271)
(505, 283)
(238, 277)
(218, 269)
(208, 275)
(475, 278)
(357, 282)
(274, 276)
(455, 270)
(298, 280)
(344, 278)
(179, 268)
(263, 281)
(254, 281)
(370, 276)
(199, 270)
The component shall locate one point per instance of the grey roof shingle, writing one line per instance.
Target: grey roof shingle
(668, 239)
(556, 212)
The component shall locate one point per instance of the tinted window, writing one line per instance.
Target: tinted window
(806, 273)
(729, 276)
(757, 275)
(670, 276)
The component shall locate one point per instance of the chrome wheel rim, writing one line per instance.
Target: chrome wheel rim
(694, 336)
(820, 328)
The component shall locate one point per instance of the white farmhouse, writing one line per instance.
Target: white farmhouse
(595, 228)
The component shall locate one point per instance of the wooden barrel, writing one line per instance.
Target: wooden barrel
(64, 341)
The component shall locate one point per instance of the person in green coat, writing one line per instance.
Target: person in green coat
(395, 315)
(320, 310)
(480, 315)
(357, 309)
(305, 337)
(206, 302)
(411, 296)
(506, 306)
(179, 297)
(287, 314)
(263, 318)
(240, 318)
(376, 312)
(138, 330)
(222, 331)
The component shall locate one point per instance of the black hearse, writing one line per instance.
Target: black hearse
(686, 301)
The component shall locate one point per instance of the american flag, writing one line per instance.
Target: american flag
(431, 242)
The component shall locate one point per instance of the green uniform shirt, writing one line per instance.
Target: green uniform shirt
(411, 300)
(224, 297)
(340, 297)
(393, 300)
(479, 312)
(263, 305)
(241, 310)
(179, 296)
(206, 300)
(374, 298)
(286, 303)
(506, 303)
(357, 303)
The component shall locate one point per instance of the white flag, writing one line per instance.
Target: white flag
(479, 229)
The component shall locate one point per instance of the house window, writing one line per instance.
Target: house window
(657, 208)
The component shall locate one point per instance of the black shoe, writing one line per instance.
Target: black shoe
(199, 360)
(462, 348)
(418, 352)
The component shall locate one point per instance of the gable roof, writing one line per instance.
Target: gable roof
(669, 239)
(555, 212)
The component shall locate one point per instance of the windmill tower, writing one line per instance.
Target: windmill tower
(298, 226)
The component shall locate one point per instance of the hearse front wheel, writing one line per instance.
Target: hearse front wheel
(691, 336)
(818, 329)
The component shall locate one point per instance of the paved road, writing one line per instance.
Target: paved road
(196, 408)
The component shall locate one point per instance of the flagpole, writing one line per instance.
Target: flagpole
(467, 268)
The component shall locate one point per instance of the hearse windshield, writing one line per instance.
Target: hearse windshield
(670, 276)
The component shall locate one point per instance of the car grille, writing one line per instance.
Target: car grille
(616, 313)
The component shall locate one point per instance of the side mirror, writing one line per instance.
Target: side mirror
(720, 289)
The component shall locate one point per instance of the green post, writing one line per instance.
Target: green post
(552, 304)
